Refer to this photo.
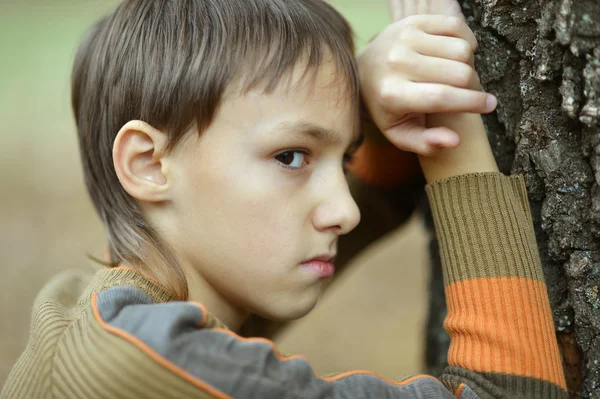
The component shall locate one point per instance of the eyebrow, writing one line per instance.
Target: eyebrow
(319, 132)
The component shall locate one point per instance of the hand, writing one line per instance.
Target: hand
(422, 64)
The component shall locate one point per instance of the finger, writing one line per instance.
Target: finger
(403, 97)
(408, 136)
(450, 48)
(413, 137)
(455, 10)
(475, 83)
(439, 70)
(445, 26)
(441, 137)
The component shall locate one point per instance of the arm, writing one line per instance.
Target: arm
(502, 337)
(499, 318)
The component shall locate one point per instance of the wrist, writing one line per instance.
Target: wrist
(473, 155)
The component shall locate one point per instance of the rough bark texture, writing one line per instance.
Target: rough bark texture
(542, 60)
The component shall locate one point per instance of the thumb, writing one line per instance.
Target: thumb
(441, 137)
(414, 137)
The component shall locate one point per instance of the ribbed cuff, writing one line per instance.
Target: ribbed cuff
(484, 227)
(491, 385)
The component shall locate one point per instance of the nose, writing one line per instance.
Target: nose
(336, 209)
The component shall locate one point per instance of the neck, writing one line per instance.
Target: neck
(201, 291)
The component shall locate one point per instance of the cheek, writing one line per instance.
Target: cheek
(255, 218)
(269, 227)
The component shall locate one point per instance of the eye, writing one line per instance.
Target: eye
(292, 159)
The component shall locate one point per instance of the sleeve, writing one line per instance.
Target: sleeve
(134, 348)
(503, 343)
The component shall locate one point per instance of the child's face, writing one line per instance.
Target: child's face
(263, 190)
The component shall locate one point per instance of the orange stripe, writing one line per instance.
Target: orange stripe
(203, 385)
(366, 372)
(204, 314)
(517, 338)
(459, 390)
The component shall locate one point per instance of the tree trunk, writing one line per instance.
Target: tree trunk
(542, 60)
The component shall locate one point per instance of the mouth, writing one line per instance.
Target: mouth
(321, 265)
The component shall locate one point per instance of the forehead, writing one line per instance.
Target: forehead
(317, 96)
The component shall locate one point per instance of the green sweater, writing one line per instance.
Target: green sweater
(119, 334)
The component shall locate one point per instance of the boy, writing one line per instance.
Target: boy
(213, 137)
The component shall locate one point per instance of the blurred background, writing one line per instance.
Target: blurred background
(370, 319)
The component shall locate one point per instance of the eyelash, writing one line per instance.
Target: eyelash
(348, 157)
(303, 152)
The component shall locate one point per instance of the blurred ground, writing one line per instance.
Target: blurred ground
(48, 224)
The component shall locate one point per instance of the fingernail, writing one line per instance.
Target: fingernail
(491, 102)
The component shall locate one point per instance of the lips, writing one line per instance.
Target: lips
(322, 258)
(322, 265)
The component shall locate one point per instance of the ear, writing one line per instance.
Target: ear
(139, 159)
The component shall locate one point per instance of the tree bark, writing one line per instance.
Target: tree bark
(542, 60)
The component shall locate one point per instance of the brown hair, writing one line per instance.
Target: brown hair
(168, 63)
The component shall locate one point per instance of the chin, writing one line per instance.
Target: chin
(289, 311)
